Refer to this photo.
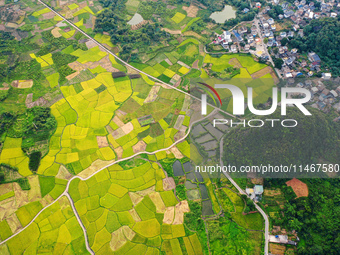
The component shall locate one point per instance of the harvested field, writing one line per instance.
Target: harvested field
(56, 32)
(104, 63)
(169, 215)
(181, 208)
(22, 84)
(118, 121)
(173, 32)
(265, 71)
(176, 152)
(191, 10)
(135, 198)
(169, 183)
(157, 200)
(272, 192)
(277, 249)
(102, 141)
(71, 76)
(300, 188)
(192, 33)
(118, 239)
(195, 64)
(235, 62)
(152, 94)
(140, 146)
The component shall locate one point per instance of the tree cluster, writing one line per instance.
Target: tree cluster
(323, 37)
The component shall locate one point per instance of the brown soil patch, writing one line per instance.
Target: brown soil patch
(135, 215)
(180, 209)
(8, 208)
(265, 71)
(118, 239)
(98, 164)
(300, 188)
(168, 61)
(71, 76)
(140, 146)
(48, 15)
(192, 33)
(90, 44)
(127, 128)
(63, 173)
(191, 10)
(169, 215)
(272, 192)
(5, 188)
(277, 249)
(257, 181)
(146, 191)
(176, 152)
(22, 84)
(117, 133)
(102, 141)
(46, 200)
(14, 223)
(157, 200)
(235, 62)
(135, 198)
(56, 32)
(173, 32)
(152, 94)
(118, 121)
(139, 25)
(211, 25)
(119, 152)
(34, 193)
(169, 183)
(195, 64)
(177, 83)
(104, 63)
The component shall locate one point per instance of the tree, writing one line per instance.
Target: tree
(284, 41)
(278, 62)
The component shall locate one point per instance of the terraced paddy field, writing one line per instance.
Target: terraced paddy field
(104, 112)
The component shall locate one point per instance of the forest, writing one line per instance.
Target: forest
(315, 138)
(113, 21)
(315, 218)
(323, 37)
(35, 125)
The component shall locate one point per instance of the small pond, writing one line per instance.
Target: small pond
(177, 167)
(227, 13)
(136, 19)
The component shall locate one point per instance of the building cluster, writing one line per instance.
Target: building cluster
(299, 13)
(275, 35)
(237, 40)
(324, 98)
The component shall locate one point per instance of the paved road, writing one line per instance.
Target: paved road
(80, 222)
(264, 215)
(125, 63)
(65, 193)
(256, 21)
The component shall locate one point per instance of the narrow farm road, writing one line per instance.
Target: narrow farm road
(125, 63)
(65, 193)
(264, 215)
(80, 223)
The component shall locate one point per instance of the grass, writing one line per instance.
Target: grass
(190, 23)
(46, 185)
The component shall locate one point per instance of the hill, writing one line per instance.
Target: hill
(314, 139)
